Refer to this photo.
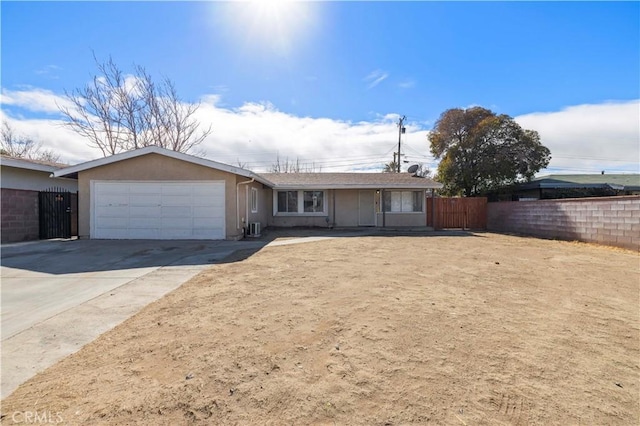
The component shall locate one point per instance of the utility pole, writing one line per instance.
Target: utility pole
(401, 130)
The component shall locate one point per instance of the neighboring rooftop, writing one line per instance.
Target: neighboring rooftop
(349, 181)
(27, 163)
(626, 182)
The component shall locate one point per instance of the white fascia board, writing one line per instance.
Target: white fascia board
(346, 186)
(19, 164)
(161, 151)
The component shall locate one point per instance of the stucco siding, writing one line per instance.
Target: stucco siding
(402, 219)
(244, 204)
(33, 180)
(155, 167)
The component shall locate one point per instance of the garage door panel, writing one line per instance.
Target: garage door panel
(112, 189)
(146, 188)
(145, 212)
(200, 223)
(207, 211)
(113, 233)
(145, 223)
(110, 222)
(203, 192)
(145, 199)
(176, 211)
(159, 210)
(177, 222)
(208, 201)
(176, 200)
(177, 189)
(176, 234)
(114, 211)
(113, 199)
(144, 234)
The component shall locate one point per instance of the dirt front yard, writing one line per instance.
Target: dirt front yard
(470, 329)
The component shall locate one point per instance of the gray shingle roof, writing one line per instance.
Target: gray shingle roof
(616, 181)
(349, 181)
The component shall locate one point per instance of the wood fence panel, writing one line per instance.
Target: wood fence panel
(465, 213)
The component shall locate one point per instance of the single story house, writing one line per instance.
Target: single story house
(154, 193)
(21, 180)
(570, 186)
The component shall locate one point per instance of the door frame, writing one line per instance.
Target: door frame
(373, 207)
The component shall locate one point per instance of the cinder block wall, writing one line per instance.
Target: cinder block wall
(19, 215)
(611, 221)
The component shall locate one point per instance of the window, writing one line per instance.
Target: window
(287, 201)
(254, 200)
(300, 202)
(402, 201)
(313, 201)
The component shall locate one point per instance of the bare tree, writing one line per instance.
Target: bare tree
(290, 166)
(118, 112)
(19, 146)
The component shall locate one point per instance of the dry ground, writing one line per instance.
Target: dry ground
(478, 329)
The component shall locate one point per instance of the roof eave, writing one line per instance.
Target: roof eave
(354, 186)
(73, 170)
(19, 164)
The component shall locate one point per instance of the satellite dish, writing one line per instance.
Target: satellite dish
(413, 169)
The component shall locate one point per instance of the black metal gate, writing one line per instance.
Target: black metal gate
(55, 209)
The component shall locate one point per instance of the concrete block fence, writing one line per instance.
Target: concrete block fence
(613, 221)
(19, 211)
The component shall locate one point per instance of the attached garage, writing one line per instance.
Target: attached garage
(158, 210)
(155, 193)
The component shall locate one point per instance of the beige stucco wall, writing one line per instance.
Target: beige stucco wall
(155, 167)
(402, 219)
(244, 205)
(346, 213)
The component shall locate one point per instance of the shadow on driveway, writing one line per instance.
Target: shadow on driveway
(61, 257)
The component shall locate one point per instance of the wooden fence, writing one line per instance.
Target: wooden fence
(465, 213)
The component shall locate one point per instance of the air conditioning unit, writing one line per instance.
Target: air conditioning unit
(254, 229)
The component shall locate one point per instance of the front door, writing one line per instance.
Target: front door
(366, 208)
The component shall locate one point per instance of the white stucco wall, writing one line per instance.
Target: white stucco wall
(33, 180)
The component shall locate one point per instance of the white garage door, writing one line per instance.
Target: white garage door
(158, 210)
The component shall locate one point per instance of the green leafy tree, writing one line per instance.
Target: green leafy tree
(479, 151)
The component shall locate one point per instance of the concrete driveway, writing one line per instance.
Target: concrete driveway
(59, 295)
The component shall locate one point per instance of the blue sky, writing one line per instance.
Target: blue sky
(326, 81)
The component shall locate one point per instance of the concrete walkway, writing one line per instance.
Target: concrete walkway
(58, 296)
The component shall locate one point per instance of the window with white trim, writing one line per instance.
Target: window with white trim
(301, 202)
(313, 201)
(403, 201)
(254, 200)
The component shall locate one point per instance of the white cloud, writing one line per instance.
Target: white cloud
(375, 77)
(589, 138)
(407, 84)
(34, 99)
(50, 71)
(583, 138)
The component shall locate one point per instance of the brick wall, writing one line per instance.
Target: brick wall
(611, 221)
(19, 210)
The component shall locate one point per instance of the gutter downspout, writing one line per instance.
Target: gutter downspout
(384, 217)
(333, 202)
(238, 204)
